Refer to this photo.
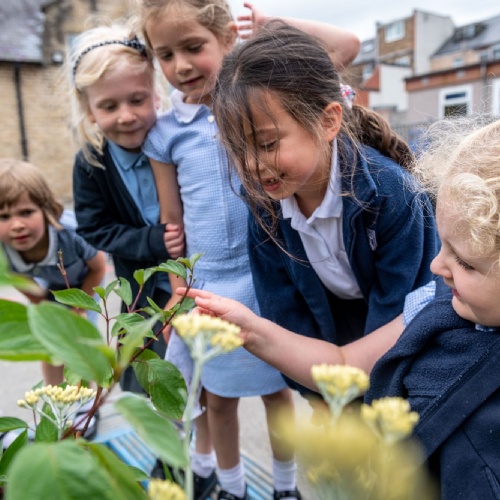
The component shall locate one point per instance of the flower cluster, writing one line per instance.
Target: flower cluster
(207, 336)
(391, 419)
(339, 385)
(56, 403)
(165, 490)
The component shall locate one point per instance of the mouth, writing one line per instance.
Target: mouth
(271, 183)
(191, 82)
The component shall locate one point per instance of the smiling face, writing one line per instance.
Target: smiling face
(189, 55)
(288, 159)
(474, 280)
(23, 227)
(122, 104)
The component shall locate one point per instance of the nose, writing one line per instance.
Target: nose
(126, 114)
(439, 266)
(17, 223)
(182, 64)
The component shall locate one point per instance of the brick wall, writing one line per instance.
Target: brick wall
(44, 100)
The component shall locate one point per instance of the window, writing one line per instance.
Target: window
(367, 46)
(394, 31)
(495, 51)
(367, 71)
(455, 101)
(457, 62)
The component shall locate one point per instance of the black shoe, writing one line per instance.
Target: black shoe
(203, 486)
(224, 495)
(277, 495)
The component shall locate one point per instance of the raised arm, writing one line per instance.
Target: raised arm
(292, 354)
(342, 45)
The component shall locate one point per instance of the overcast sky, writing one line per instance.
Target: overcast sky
(360, 16)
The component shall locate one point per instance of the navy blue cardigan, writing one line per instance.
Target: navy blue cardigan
(109, 219)
(450, 374)
(390, 238)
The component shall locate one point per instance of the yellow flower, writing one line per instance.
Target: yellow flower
(165, 490)
(390, 418)
(339, 384)
(206, 336)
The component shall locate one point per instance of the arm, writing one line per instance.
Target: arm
(292, 354)
(108, 219)
(95, 275)
(342, 45)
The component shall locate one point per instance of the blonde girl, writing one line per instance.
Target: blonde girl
(190, 38)
(114, 98)
(446, 360)
(34, 235)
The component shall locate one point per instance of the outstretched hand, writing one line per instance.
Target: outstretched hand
(249, 24)
(226, 309)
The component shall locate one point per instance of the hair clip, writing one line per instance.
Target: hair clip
(348, 93)
(133, 43)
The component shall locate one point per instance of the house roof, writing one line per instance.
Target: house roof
(472, 36)
(21, 30)
(367, 52)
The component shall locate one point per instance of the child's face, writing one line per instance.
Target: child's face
(122, 104)
(291, 162)
(22, 226)
(189, 55)
(475, 281)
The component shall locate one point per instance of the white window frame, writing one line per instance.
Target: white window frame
(454, 101)
(394, 31)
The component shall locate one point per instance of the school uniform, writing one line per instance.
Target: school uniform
(389, 236)
(447, 369)
(110, 218)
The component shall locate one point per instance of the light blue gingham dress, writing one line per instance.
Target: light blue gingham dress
(215, 221)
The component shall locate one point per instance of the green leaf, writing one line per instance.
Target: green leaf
(74, 297)
(15, 280)
(157, 432)
(124, 477)
(63, 471)
(186, 305)
(171, 266)
(141, 367)
(17, 342)
(125, 291)
(100, 291)
(167, 388)
(135, 338)
(66, 336)
(10, 453)
(10, 423)
(110, 288)
(46, 431)
(142, 275)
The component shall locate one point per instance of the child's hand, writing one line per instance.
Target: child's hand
(173, 238)
(249, 24)
(226, 309)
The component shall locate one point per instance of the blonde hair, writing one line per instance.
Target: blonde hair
(18, 177)
(214, 15)
(94, 52)
(460, 166)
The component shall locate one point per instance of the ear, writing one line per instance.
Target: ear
(230, 36)
(331, 120)
(90, 115)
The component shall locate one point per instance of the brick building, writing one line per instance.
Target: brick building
(33, 101)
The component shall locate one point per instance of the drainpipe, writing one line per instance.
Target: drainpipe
(20, 111)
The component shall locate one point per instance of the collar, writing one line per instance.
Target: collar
(123, 159)
(184, 112)
(50, 259)
(331, 206)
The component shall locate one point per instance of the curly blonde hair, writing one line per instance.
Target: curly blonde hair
(459, 165)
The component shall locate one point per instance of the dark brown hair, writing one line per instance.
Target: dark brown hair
(294, 68)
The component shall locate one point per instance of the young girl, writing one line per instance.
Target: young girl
(34, 236)
(190, 38)
(112, 82)
(338, 236)
(446, 361)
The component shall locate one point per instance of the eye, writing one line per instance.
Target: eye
(137, 101)
(463, 264)
(4, 217)
(27, 212)
(268, 146)
(164, 56)
(195, 48)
